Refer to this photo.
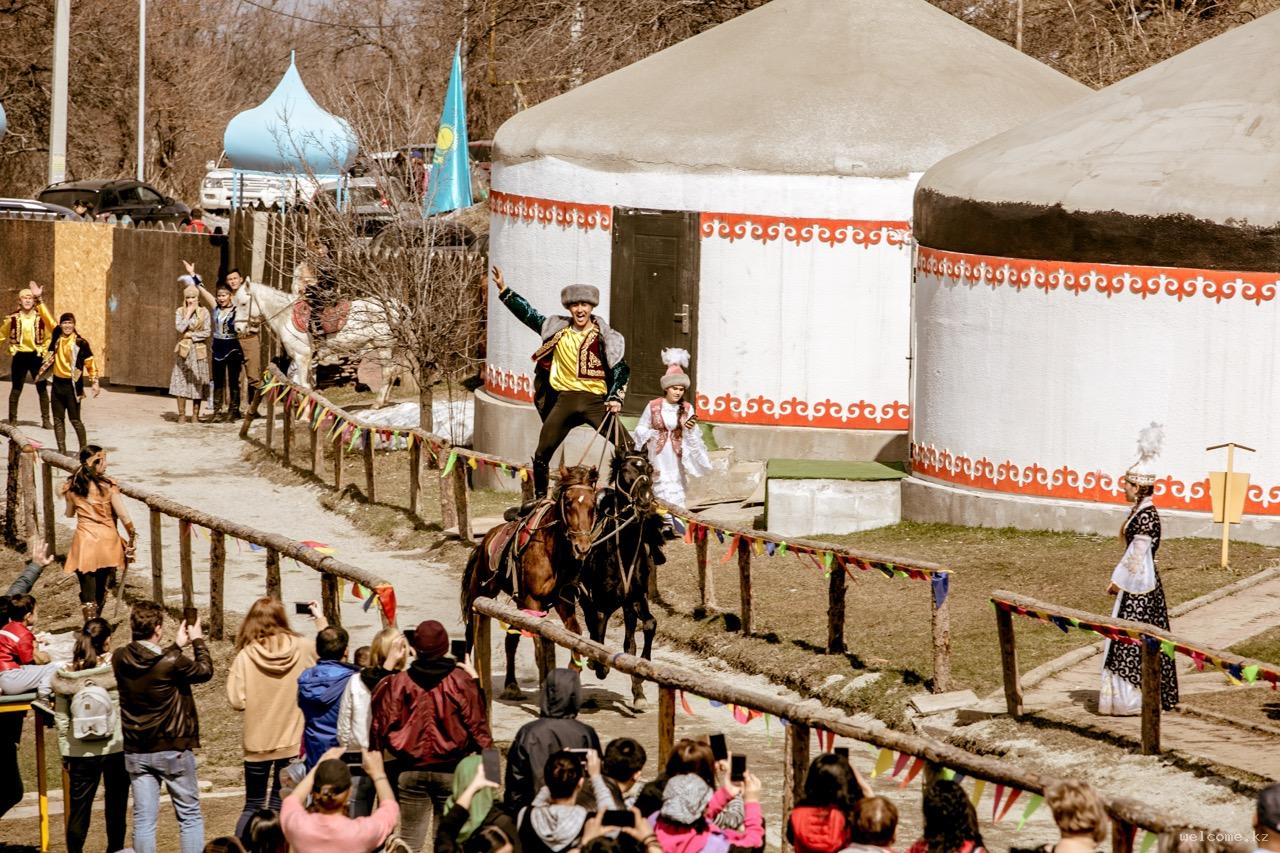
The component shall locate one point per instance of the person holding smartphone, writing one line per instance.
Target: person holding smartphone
(388, 654)
(263, 683)
(554, 822)
(325, 827)
(474, 804)
(682, 821)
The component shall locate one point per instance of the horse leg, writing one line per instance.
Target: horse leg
(510, 688)
(649, 626)
(638, 702)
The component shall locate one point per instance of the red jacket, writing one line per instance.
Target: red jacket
(17, 646)
(430, 716)
(818, 829)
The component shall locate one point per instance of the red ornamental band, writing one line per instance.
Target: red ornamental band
(508, 384)
(547, 211)
(1093, 279)
(1067, 483)
(833, 232)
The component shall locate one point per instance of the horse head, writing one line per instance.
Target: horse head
(633, 477)
(576, 502)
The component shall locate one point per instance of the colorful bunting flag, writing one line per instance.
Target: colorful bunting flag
(883, 761)
(978, 786)
(1032, 805)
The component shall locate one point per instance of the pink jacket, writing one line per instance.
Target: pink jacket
(309, 832)
(711, 839)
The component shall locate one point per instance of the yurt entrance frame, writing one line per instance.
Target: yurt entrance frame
(654, 292)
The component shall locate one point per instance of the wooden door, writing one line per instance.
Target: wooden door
(654, 293)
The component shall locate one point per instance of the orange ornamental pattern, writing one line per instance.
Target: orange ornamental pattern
(1094, 280)
(858, 232)
(547, 211)
(508, 384)
(1069, 484)
(729, 409)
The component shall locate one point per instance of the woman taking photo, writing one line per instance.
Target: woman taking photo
(325, 827)
(87, 715)
(263, 682)
(190, 375)
(97, 550)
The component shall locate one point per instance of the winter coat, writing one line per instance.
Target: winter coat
(353, 711)
(263, 682)
(319, 696)
(66, 683)
(157, 710)
(555, 730)
(708, 838)
(17, 646)
(430, 717)
(818, 829)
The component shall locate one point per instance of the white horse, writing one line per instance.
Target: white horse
(367, 333)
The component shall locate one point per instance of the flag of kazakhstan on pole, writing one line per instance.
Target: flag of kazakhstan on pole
(449, 186)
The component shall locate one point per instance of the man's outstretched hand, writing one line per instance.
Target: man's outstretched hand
(498, 280)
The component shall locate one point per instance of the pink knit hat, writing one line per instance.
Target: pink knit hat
(676, 360)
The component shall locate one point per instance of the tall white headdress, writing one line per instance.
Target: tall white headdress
(1150, 442)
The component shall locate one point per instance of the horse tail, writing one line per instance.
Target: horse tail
(470, 582)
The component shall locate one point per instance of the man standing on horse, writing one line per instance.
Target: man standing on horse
(581, 375)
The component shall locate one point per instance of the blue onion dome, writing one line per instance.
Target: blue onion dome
(4, 121)
(289, 132)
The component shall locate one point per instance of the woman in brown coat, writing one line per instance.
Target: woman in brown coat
(97, 549)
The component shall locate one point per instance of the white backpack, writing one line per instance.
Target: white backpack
(93, 714)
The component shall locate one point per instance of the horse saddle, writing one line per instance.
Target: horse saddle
(514, 536)
(333, 318)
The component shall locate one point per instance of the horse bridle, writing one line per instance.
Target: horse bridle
(566, 492)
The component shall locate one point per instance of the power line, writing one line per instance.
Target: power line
(317, 21)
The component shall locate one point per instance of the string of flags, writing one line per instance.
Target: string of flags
(1237, 672)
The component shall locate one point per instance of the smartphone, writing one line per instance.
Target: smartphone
(492, 765)
(580, 754)
(408, 636)
(719, 747)
(458, 648)
(190, 615)
(302, 608)
(355, 762)
(738, 769)
(614, 817)
(842, 751)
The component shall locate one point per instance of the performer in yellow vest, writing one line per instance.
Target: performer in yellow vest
(28, 331)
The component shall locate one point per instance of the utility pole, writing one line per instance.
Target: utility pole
(142, 89)
(575, 39)
(1017, 29)
(58, 122)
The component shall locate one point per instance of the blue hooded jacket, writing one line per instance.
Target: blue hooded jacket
(320, 690)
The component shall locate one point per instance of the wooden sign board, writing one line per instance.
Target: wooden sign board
(1231, 497)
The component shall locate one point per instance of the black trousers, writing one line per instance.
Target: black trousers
(261, 791)
(93, 586)
(25, 368)
(66, 405)
(83, 775)
(571, 409)
(10, 775)
(226, 374)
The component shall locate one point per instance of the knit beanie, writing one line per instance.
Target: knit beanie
(431, 640)
(685, 799)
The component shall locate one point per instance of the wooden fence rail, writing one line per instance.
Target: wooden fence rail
(836, 560)
(800, 718)
(1152, 641)
(21, 489)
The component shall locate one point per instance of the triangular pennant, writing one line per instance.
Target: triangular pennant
(449, 463)
(941, 586)
(978, 786)
(770, 547)
(1032, 805)
(1147, 840)
(884, 760)
(733, 550)
(916, 767)
(900, 763)
(1167, 649)
(995, 803)
(1014, 793)
(1251, 673)
(684, 703)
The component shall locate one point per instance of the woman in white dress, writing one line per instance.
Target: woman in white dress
(668, 431)
(1139, 593)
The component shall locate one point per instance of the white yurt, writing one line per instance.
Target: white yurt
(746, 194)
(1110, 265)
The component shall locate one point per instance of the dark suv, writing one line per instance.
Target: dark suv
(141, 202)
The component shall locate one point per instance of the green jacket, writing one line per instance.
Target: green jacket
(65, 685)
(547, 327)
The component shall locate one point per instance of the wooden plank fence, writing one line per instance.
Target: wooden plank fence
(799, 718)
(22, 500)
(1152, 641)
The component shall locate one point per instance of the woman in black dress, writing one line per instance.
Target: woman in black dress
(1140, 596)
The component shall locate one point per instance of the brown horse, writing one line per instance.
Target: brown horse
(536, 561)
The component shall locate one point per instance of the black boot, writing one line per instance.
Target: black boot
(541, 478)
(43, 392)
(234, 413)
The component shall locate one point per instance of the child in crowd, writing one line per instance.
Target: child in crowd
(820, 821)
(554, 823)
(873, 826)
(23, 667)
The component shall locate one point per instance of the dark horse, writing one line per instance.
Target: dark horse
(536, 560)
(628, 547)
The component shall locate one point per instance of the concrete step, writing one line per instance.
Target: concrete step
(729, 480)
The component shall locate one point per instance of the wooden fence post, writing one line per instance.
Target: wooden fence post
(836, 587)
(271, 418)
(217, 579)
(482, 657)
(666, 723)
(1009, 662)
(330, 598)
(369, 491)
(184, 556)
(941, 629)
(317, 455)
(744, 584)
(1150, 697)
(795, 763)
(1122, 834)
(337, 461)
(273, 573)
(286, 428)
(415, 471)
(30, 515)
(706, 578)
(11, 496)
(255, 400)
(157, 558)
(462, 502)
(50, 521)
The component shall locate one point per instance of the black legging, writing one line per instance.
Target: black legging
(66, 405)
(259, 778)
(226, 374)
(25, 367)
(571, 409)
(93, 586)
(83, 775)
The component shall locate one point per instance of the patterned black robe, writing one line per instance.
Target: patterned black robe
(1124, 659)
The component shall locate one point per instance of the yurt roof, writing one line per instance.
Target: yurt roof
(1193, 142)
(289, 132)
(843, 87)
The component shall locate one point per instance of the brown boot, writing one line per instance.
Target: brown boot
(89, 611)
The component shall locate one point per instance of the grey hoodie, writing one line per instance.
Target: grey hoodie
(560, 826)
(537, 741)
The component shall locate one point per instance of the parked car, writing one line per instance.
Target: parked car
(432, 233)
(140, 201)
(364, 200)
(266, 188)
(29, 209)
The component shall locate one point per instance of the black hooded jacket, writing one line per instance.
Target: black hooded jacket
(537, 741)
